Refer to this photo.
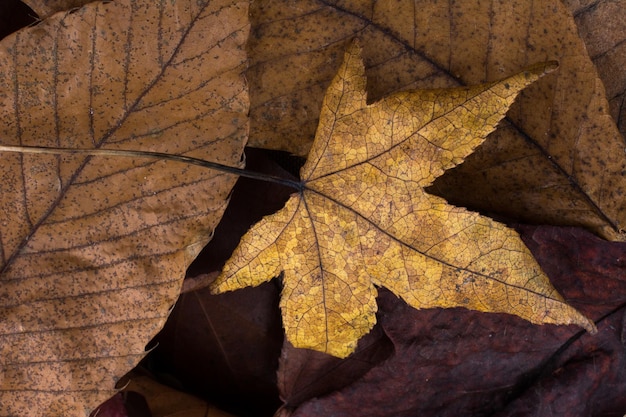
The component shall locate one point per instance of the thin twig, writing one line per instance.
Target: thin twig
(155, 155)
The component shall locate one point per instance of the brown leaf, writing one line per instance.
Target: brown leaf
(602, 25)
(94, 249)
(361, 218)
(559, 159)
(165, 401)
(46, 8)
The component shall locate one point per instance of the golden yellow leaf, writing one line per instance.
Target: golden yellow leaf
(93, 250)
(362, 218)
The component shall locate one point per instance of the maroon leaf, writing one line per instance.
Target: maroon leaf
(113, 407)
(225, 348)
(456, 362)
(305, 374)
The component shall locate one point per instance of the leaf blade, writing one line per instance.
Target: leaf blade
(94, 249)
(364, 219)
(556, 128)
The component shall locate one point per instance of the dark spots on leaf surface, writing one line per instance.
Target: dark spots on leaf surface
(507, 86)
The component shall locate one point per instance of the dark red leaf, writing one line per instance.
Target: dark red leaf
(225, 348)
(305, 374)
(457, 362)
(113, 407)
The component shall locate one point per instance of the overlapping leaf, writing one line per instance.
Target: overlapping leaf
(363, 219)
(560, 160)
(93, 250)
(602, 25)
(451, 362)
(45, 8)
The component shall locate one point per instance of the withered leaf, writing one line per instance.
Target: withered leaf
(93, 250)
(602, 25)
(165, 401)
(46, 8)
(558, 159)
(362, 218)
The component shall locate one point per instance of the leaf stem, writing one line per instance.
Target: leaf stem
(156, 155)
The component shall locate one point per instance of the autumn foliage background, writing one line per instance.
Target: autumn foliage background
(228, 350)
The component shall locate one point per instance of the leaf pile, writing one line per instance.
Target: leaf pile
(541, 165)
(452, 362)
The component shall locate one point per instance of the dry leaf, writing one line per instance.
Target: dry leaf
(46, 8)
(165, 401)
(602, 25)
(559, 160)
(94, 249)
(362, 218)
(207, 342)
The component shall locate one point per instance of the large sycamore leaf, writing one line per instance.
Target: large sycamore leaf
(93, 250)
(362, 218)
(558, 159)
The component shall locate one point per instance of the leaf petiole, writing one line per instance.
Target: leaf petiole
(155, 155)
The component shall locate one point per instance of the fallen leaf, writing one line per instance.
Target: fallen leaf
(304, 374)
(361, 218)
(165, 401)
(224, 348)
(559, 159)
(602, 25)
(46, 8)
(458, 362)
(93, 250)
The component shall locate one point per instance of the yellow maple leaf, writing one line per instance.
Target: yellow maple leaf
(362, 218)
